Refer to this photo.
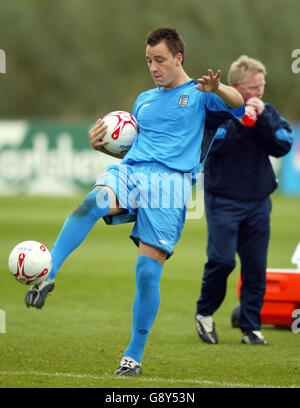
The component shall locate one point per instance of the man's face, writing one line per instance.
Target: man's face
(163, 66)
(252, 86)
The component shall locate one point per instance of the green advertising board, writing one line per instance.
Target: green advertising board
(52, 158)
(48, 158)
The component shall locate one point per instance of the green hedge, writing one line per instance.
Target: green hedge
(83, 58)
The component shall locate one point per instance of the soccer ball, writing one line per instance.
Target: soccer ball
(30, 262)
(122, 129)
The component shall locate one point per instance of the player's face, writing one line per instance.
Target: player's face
(163, 65)
(252, 86)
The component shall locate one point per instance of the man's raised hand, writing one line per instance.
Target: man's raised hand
(210, 82)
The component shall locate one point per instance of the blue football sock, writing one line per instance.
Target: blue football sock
(146, 304)
(77, 226)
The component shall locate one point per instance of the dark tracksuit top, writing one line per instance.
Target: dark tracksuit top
(238, 165)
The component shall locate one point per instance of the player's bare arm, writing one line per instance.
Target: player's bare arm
(96, 135)
(212, 83)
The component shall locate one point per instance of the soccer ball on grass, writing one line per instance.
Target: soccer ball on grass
(122, 129)
(30, 262)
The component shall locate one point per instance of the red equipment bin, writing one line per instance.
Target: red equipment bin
(281, 298)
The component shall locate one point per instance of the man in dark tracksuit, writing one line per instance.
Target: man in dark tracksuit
(238, 180)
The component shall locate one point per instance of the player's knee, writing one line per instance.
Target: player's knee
(95, 199)
(148, 271)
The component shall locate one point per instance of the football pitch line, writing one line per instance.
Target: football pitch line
(140, 379)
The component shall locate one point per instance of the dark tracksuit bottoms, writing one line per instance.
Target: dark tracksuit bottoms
(242, 227)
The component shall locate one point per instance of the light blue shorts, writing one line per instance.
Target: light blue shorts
(155, 198)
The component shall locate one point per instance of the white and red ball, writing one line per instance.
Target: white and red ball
(122, 129)
(30, 262)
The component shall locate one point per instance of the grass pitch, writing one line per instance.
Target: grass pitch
(78, 338)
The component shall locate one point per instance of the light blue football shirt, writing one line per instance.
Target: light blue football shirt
(171, 126)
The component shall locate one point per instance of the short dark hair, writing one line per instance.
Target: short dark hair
(173, 39)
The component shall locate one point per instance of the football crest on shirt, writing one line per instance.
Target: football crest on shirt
(183, 100)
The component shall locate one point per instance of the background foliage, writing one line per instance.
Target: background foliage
(76, 59)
